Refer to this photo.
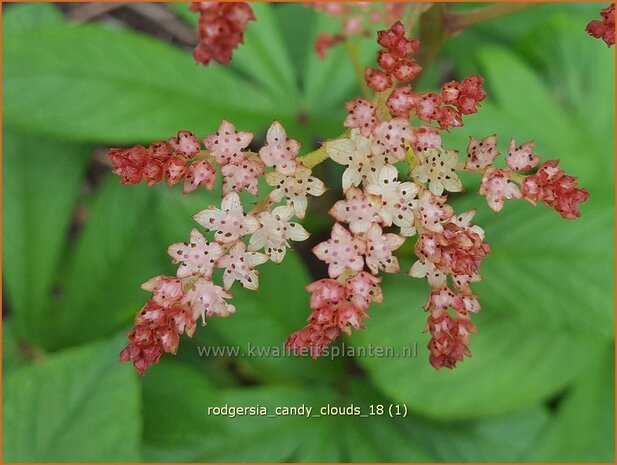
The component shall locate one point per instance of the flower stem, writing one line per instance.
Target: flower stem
(456, 22)
(352, 51)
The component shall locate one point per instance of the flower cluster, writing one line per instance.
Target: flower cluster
(337, 306)
(356, 19)
(604, 28)
(380, 210)
(179, 301)
(164, 159)
(396, 182)
(220, 29)
(446, 108)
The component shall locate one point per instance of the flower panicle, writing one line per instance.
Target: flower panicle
(235, 241)
(396, 184)
(380, 210)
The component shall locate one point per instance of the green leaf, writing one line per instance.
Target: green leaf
(581, 73)
(11, 356)
(583, 429)
(549, 272)
(118, 250)
(503, 438)
(99, 84)
(178, 425)
(42, 180)
(21, 17)
(263, 56)
(297, 23)
(80, 405)
(514, 365)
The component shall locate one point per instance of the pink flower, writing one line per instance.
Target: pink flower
(466, 95)
(295, 188)
(605, 28)
(427, 106)
(342, 251)
(497, 188)
(185, 144)
(313, 338)
(449, 118)
(200, 173)
(207, 299)
(394, 40)
(227, 145)
(449, 342)
(555, 189)
(157, 329)
(129, 163)
(275, 231)
(393, 138)
(433, 211)
(362, 116)
(426, 138)
(443, 298)
(457, 250)
(401, 102)
(239, 265)
(363, 289)
(406, 70)
(196, 256)
(481, 155)
(166, 290)
(280, 151)
(326, 292)
(221, 29)
(379, 249)
(359, 210)
(244, 176)
(175, 170)
(229, 222)
(521, 158)
(377, 80)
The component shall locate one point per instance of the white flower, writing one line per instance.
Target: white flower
(239, 265)
(355, 153)
(229, 222)
(438, 169)
(425, 269)
(207, 299)
(464, 221)
(276, 231)
(397, 199)
(295, 188)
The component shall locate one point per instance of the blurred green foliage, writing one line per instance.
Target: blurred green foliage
(541, 381)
